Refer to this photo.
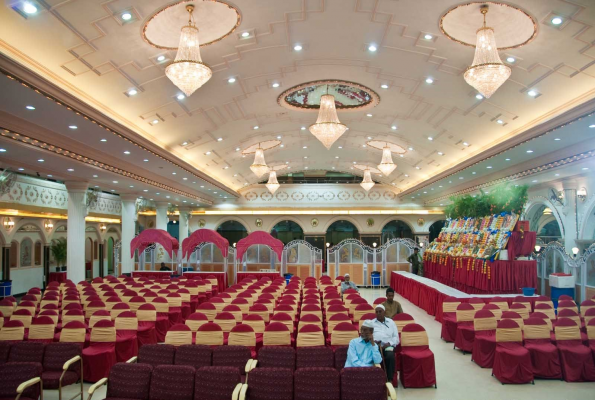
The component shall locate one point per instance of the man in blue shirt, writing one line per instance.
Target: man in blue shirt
(363, 351)
(347, 284)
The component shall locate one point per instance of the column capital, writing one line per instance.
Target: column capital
(129, 197)
(76, 186)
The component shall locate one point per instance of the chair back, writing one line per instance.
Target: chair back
(360, 310)
(520, 309)
(276, 334)
(513, 316)
(235, 311)
(334, 320)
(568, 305)
(450, 305)
(500, 302)
(30, 306)
(210, 334)
(196, 320)
(103, 331)
(569, 313)
(591, 329)
(484, 320)
(41, 328)
(178, 334)
(208, 309)
(12, 330)
(22, 315)
(465, 312)
(146, 313)
(161, 304)
(226, 321)
(310, 335)
(371, 316)
(260, 309)
(6, 307)
(73, 332)
(476, 303)
(567, 329)
(536, 328)
(53, 315)
(255, 321)
(127, 321)
(508, 330)
(242, 335)
(494, 309)
(343, 333)
(414, 335)
(403, 319)
(284, 319)
(547, 308)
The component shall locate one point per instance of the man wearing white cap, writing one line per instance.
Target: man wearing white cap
(363, 351)
(387, 337)
(347, 284)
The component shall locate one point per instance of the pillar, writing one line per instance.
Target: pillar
(128, 224)
(569, 219)
(161, 223)
(46, 264)
(5, 262)
(77, 211)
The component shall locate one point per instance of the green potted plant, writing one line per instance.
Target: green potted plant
(58, 249)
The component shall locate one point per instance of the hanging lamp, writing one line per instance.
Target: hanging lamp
(259, 166)
(272, 184)
(387, 166)
(487, 73)
(367, 183)
(188, 72)
(327, 128)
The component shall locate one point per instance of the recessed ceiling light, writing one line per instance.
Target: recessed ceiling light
(479, 96)
(384, 86)
(532, 93)
(363, 145)
(235, 175)
(410, 148)
(29, 8)
(157, 193)
(167, 197)
(508, 159)
(305, 156)
(95, 176)
(500, 121)
(305, 147)
(355, 162)
(407, 175)
(132, 92)
(510, 59)
(429, 80)
(113, 190)
(417, 168)
(534, 181)
(180, 96)
(41, 160)
(297, 47)
(592, 126)
(174, 173)
(126, 16)
(333, 167)
(245, 34)
(155, 121)
(440, 186)
(184, 143)
(340, 147)
(394, 127)
(145, 190)
(145, 160)
(425, 192)
(275, 85)
(440, 153)
(529, 151)
(30, 108)
(184, 178)
(208, 153)
(126, 152)
(557, 139)
(255, 127)
(368, 115)
(215, 192)
(202, 186)
(282, 145)
(237, 149)
(489, 167)
(2, 150)
(73, 126)
(226, 167)
(286, 162)
(336, 156)
(50, 176)
(369, 137)
(279, 137)
(70, 170)
(473, 173)
(220, 139)
(306, 167)
(115, 181)
(160, 58)
(131, 186)
(460, 177)
(585, 168)
(303, 128)
(401, 155)
(22, 169)
(372, 48)
(430, 138)
(427, 36)
(556, 20)
(103, 140)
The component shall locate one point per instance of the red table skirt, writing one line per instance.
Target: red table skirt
(57, 277)
(152, 274)
(221, 278)
(474, 277)
(242, 275)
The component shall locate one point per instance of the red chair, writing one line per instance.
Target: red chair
(239, 357)
(342, 334)
(484, 344)
(417, 360)
(544, 355)
(494, 309)
(512, 362)
(162, 323)
(576, 359)
(243, 335)
(449, 319)
(465, 333)
(276, 334)
(12, 331)
(126, 336)
(172, 382)
(100, 356)
(41, 330)
(146, 315)
(276, 357)
(269, 383)
(317, 383)
(20, 381)
(210, 334)
(62, 366)
(156, 354)
(586, 306)
(365, 383)
(477, 303)
(217, 383)
(591, 335)
(126, 381)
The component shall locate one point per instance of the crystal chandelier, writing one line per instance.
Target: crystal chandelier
(367, 183)
(327, 128)
(272, 184)
(487, 73)
(259, 167)
(188, 72)
(387, 166)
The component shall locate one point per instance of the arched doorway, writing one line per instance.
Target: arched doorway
(173, 229)
(286, 231)
(233, 231)
(341, 230)
(542, 220)
(435, 229)
(396, 230)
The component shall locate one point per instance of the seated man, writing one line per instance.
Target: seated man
(363, 352)
(347, 284)
(164, 267)
(391, 306)
(386, 335)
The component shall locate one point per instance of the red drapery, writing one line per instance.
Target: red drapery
(149, 236)
(201, 236)
(242, 275)
(259, 237)
(521, 244)
(220, 276)
(474, 276)
(57, 277)
(152, 274)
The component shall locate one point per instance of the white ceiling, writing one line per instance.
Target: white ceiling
(84, 48)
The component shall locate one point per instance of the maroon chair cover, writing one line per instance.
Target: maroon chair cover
(147, 332)
(195, 355)
(162, 324)
(99, 357)
(213, 383)
(126, 340)
(484, 344)
(449, 322)
(157, 354)
(418, 368)
(512, 362)
(129, 381)
(544, 355)
(576, 359)
(465, 332)
(317, 383)
(271, 383)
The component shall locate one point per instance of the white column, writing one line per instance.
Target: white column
(183, 224)
(161, 221)
(128, 223)
(569, 217)
(75, 236)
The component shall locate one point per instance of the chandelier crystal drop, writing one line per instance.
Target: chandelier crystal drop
(327, 128)
(367, 183)
(259, 167)
(188, 72)
(387, 166)
(487, 73)
(272, 184)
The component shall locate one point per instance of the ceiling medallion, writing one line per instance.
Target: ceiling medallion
(348, 96)
(216, 18)
(259, 166)
(387, 166)
(188, 72)
(487, 73)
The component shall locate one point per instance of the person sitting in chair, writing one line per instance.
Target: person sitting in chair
(347, 284)
(391, 306)
(386, 335)
(164, 267)
(363, 351)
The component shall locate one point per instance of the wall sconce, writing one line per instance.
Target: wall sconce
(537, 248)
(581, 194)
(328, 244)
(421, 244)
(102, 228)
(575, 251)
(374, 244)
(48, 226)
(8, 223)
(234, 244)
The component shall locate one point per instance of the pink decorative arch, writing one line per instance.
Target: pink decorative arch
(150, 236)
(259, 237)
(201, 236)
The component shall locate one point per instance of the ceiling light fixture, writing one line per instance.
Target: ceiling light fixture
(532, 93)
(30, 108)
(70, 170)
(387, 166)
(427, 36)
(126, 16)
(327, 128)
(394, 127)
(430, 138)
(73, 127)
(557, 20)
(297, 47)
(372, 48)
(208, 153)
(429, 80)
(255, 127)
(132, 92)
(126, 152)
(29, 8)
(529, 151)
(500, 121)
(41, 160)
(188, 72)
(161, 58)
(220, 139)
(180, 96)
(275, 85)
(259, 166)
(479, 96)
(245, 34)
(155, 122)
(592, 126)
(510, 59)
(367, 183)
(384, 86)
(487, 72)
(272, 185)
(145, 160)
